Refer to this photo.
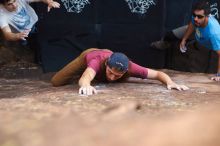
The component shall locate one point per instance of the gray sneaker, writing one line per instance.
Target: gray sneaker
(161, 45)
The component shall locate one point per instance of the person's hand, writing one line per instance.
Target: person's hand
(22, 35)
(176, 86)
(182, 43)
(52, 4)
(87, 90)
(216, 78)
(183, 46)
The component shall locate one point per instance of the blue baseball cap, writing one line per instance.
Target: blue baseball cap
(118, 61)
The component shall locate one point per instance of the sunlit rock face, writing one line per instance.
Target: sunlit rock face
(137, 112)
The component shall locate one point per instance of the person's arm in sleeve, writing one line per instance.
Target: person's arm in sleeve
(164, 78)
(50, 3)
(143, 72)
(187, 34)
(85, 82)
(217, 77)
(10, 36)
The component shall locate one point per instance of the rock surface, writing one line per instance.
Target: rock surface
(137, 113)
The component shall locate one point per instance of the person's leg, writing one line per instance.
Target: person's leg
(65, 75)
(34, 47)
(170, 37)
(180, 31)
(165, 42)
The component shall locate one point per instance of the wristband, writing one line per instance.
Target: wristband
(218, 74)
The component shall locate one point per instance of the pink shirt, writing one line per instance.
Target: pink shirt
(96, 60)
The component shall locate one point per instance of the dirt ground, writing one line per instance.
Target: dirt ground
(137, 113)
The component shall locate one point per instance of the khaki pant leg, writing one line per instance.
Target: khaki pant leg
(65, 75)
